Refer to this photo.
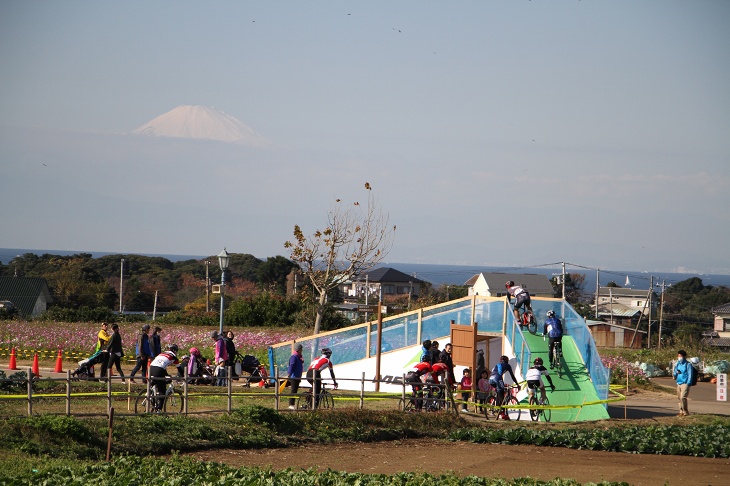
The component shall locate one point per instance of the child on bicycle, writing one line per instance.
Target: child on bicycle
(496, 380)
(521, 295)
(554, 330)
(415, 379)
(465, 387)
(314, 373)
(534, 379)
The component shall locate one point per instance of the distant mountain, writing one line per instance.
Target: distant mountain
(202, 122)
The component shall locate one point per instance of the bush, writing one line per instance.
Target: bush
(82, 314)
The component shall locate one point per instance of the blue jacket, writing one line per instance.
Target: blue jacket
(553, 327)
(296, 366)
(683, 372)
(143, 341)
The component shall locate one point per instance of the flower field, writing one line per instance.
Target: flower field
(81, 338)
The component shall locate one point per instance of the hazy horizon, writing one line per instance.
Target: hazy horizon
(492, 133)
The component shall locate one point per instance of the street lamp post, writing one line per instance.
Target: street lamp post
(224, 259)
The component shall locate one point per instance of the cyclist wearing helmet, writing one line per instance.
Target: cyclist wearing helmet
(534, 378)
(158, 372)
(554, 330)
(314, 373)
(415, 379)
(522, 297)
(497, 381)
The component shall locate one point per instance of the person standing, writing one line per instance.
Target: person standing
(465, 387)
(682, 373)
(142, 352)
(294, 373)
(220, 357)
(434, 353)
(155, 344)
(231, 350)
(446, 358)
(314, 374)
(101, 345)
(115, 351)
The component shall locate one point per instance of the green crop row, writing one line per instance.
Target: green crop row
(132, 471)
(704, 440)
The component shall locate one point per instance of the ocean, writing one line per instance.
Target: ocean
(459, 274)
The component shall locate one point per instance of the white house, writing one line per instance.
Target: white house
(492, 284)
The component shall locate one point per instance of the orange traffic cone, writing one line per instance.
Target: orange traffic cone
(35, 370)
(59, 363)
(13, 363)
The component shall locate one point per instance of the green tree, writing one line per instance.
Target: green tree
(271, 274)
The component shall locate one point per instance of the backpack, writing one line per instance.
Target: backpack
(693, 378)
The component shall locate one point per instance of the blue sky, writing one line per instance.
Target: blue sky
(493, 133)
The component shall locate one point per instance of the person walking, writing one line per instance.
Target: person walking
(682, 373)
(101, 344)
(115, 351)
(142, 352)
(294, 373)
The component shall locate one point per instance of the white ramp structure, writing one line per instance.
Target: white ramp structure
(354, 348)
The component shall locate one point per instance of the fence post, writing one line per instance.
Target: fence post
(68, 392)
(30, 391)
(276, 388)
(230, 388)
(109, 393)
(148, 405)
(109, 437)
(185, 389)
(362, 391)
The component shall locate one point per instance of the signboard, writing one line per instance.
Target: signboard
(367, 308)
(722, 387)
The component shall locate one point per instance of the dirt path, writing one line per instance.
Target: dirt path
(486, 460)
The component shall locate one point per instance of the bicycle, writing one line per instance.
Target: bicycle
(527, 319)
(413, 403)
(508, 400)
(172, 401)
(555, 362)
(306, 400)
(536, 413)
(435, 398)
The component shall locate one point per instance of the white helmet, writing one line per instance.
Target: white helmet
(551, 313)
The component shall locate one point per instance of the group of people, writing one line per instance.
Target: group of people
(148, 349)
(295, 371)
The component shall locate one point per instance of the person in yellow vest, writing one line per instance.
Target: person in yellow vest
(101, 343)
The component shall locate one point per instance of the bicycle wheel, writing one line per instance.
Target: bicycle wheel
(406, 405)
(491, 409)
(140, 403)
(546, 412)
(173, 403)
(534, 413)
(531, 323)
(304, 402)
(326, 402)
(514, 413)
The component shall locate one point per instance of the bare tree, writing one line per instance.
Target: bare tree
(356, 238)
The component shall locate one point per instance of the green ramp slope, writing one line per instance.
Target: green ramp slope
(575, 387)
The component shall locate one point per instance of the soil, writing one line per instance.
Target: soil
(486, 460)
(508, 461)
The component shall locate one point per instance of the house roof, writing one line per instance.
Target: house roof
(386, 275)
(23, 292)
(533, 282)
(622, 292)
(716, 341)
(618, 310)
(722, 309)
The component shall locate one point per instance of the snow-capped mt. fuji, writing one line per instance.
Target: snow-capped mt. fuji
(202, 122)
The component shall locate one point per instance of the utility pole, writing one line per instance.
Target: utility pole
(207, 286)
(121, 286)
(648, 321)
(661, 316)
(367, 292)
(154, 308)
(563, 280)
(610, 299)
(598, 290)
